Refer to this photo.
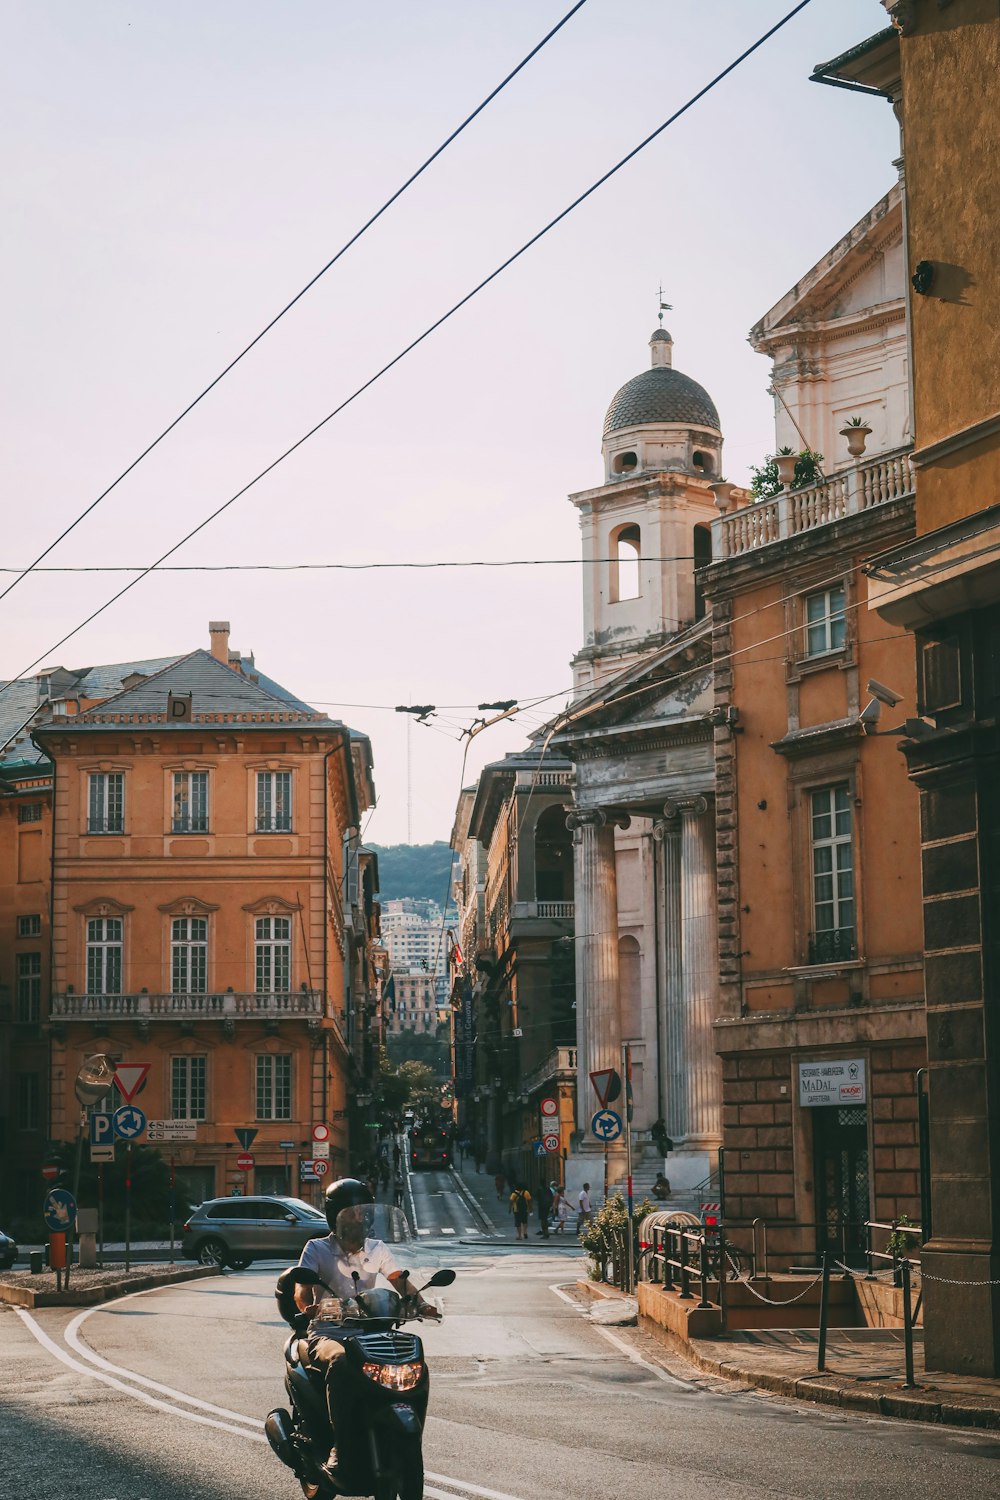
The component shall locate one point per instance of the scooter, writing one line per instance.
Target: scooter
(383, 1385)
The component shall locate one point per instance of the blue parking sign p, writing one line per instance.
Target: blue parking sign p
(102, 1130)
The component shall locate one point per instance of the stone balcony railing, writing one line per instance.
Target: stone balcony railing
(546, 911)
(861, 488)
(561, 1061)
(188, 1007)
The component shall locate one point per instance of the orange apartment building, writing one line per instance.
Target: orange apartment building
(204, 853)
(821, 1025)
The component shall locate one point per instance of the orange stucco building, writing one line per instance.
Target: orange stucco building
(204, 848)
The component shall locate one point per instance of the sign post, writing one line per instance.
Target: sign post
(129, 1123)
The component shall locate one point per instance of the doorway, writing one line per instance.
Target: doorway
(840, 1151)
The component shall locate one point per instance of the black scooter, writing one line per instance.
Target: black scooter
(382, 1393)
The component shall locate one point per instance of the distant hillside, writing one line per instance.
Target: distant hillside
(418, 870)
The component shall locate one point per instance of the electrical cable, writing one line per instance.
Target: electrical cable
(298, 296)
(361, 567)
(432, 328)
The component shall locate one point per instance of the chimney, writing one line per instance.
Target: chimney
(236, 662)
(218, 634)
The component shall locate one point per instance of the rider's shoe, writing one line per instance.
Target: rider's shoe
(330, 1469)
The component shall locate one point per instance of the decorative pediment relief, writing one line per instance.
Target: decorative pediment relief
(188, 906)
(272, 906)
(104, 906)
(272, 763)
(187, 765)
(105, 767)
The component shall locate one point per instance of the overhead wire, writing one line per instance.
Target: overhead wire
(427, 332)
(298, 296)
(360, 567)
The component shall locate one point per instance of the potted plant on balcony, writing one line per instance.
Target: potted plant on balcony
(722, 489)
(785, 461)
(857, 432)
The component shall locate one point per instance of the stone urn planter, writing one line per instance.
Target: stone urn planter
(722, 489)
(857, 435)
(786, 468)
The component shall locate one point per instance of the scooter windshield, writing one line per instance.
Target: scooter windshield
(371, 1221)
(380, 1302)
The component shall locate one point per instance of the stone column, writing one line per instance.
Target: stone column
(699, 972)
(595, 894)
(667, 839)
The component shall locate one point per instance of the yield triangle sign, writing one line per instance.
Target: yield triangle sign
(607, 1085)
(130, 1078)
(245, 1137)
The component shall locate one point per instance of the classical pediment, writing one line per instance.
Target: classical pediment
(668, 692)
(272, 906)
(104, 906)
(188, 906)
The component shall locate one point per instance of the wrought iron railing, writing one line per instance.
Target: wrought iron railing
(836, 945)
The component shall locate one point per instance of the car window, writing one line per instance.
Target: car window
(234, 1209)
(306, 1210)
(273, 1211)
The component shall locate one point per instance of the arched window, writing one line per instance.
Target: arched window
(625, 554)
(624, 463)
(702, 461)
(630, 985)
(553, 857)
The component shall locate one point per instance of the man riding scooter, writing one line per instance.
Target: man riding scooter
(348, 1262)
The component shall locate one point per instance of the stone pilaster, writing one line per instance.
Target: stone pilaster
(667, 838)
(699, 972)
(598, 1012)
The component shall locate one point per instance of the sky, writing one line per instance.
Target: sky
(174, 174)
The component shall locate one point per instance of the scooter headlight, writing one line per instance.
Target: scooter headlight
(394, 1377)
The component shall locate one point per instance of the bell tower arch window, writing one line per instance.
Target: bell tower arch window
(702, 558)
(625, 554)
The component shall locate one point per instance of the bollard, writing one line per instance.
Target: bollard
(824, 1308)
(909, 1382)
(36, 1261)
(703, 1272)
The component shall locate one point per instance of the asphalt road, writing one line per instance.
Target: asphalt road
(160, 1397)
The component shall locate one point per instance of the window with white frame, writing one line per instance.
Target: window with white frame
(190, 802)
(834, 935)
(189, 955)
(106, 804)
(274, 801)
(273, 956)
(187, 1088)
(826, 620)
(274, 1087)
(29, 1095)
(29, 987)
(105, 936)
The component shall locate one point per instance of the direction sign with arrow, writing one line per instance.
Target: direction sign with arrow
(129, 1122)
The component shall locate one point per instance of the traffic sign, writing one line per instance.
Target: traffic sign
(129, 1122)
(246, 1136)
(550, 1142)
(101, 1154)
(321, 1167)
(607, 1086)
(539, 1148)
(171, 1130)
(102, 1129)
(129, 1078)
(287, 1145)
(313, 1169)
(549, 1107)
(51, 1171)
(245, 1162)
(59, 1210)
(321, 1132)
(321, 1150)
(606, 1125)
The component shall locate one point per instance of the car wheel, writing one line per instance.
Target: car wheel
(238, 1262)
(212, 1253)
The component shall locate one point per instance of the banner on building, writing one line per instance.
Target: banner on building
(832, 1080)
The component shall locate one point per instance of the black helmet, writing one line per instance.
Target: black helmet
(346, 1192)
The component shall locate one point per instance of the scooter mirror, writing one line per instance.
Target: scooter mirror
(441, 1278)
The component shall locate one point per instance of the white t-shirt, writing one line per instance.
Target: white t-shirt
(333, 1265)
(584, 1201)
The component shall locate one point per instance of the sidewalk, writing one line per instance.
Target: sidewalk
(481, 1188)
(865, 1370)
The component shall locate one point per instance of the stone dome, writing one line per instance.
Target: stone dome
(661, 394)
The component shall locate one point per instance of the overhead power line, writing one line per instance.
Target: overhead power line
(297, 298)
(416, 342)
(356, 567)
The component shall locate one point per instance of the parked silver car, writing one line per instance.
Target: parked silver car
(237, 1231)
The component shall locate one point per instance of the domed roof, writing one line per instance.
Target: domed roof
(661, 394)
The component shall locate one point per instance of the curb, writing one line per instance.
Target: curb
(925, 1403)
(26, 1296)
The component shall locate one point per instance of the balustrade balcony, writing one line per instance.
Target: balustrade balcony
(188, 1007)
(889, 476)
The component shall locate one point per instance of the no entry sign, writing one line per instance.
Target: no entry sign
(245, 1162)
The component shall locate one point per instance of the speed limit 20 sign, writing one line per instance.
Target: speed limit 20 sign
(550, 1142)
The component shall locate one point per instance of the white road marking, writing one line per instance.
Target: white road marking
(447, 1231)
(53, 1348)
(464, 1486)
(477, 1208)
(423, 1231)
(624, 1348)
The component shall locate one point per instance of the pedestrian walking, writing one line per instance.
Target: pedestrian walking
(520, 1207)
(500, 1182)
(584, 1210)
(560, 1210)
(397, 1189)
(544, 1200)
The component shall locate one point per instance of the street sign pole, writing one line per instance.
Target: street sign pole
(627, 1073)
(173, 1205)
(100, 1214)
(128, 1207)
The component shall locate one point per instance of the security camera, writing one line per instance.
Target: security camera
(870, 715)
(884, 694)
